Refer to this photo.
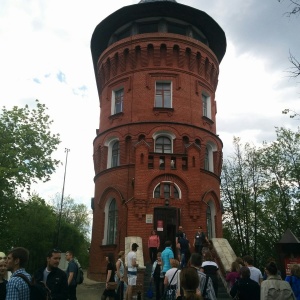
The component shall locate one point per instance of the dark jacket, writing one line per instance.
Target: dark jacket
(56, 282)
(248, 289)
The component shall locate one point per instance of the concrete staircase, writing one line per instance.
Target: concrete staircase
(222, 291)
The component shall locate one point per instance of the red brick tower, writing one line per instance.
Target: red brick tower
(157, 157)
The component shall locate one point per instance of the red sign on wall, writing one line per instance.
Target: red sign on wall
(288, 262)
(160, 225)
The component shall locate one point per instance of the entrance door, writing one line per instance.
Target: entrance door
(166, 222)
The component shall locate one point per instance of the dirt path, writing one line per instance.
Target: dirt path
(89, 289)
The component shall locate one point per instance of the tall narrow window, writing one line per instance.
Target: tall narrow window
(163, 145)
(209, 158)
(209, 222)
(115, 154)
(163, 95)
(206, 159)
(206, 106)
(119, 95)
(157, 192)
(167, 190)
(112, 222)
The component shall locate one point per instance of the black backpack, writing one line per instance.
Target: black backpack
(79, 275)
(38, 290)
(79, 278)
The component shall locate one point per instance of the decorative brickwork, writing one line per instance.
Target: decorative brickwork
(158, 160)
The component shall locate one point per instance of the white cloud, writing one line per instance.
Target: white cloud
(45, 55)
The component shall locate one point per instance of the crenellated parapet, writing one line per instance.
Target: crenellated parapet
(138, 54)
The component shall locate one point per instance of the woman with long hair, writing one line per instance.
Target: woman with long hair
(210, 268)
(245, 288)
(234, 274)
(110, 277)
(189, 282)
(153, 245)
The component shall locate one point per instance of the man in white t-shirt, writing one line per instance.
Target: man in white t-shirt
(255, 274)
(132, 270)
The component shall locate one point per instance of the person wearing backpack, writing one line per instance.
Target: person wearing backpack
(274, 287)
(54, 278)
(71, 271)
(17, 288)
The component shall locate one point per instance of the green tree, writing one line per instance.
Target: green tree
(261, 193)
(240, 185)
(33, 228)
(26, 148)
(74, 227)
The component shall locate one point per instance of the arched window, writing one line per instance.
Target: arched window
(167, 190)
(115, 154)
(112, 222)
(163, 145)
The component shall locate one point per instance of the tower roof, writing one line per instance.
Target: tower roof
(158, 8)
(146, 1)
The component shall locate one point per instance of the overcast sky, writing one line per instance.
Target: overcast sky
(45, 54)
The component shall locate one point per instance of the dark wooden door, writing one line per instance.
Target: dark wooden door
(166, 222)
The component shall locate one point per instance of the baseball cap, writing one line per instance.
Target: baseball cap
(135, 245)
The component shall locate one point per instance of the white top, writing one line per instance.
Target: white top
(130, 256)
(209, 263)
(169, 275)
(255, 274)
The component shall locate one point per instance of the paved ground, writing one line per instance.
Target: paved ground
(89, 289)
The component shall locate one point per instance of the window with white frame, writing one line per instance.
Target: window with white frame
(117, 101)
(167, 190)
(113, 152)
(163, 95)
(206, 105)
(209, 158)
(112, 222)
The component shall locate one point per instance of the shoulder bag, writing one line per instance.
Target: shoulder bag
(170, 294)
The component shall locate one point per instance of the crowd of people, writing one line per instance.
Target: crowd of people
(176, 276)
(15, 281)
(247, 282)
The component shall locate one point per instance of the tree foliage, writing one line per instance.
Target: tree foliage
(261, 193)
(26, 147)
(33, 225)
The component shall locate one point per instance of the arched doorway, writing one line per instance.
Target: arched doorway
(166, 222)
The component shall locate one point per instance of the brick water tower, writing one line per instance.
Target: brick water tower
(157, 156)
